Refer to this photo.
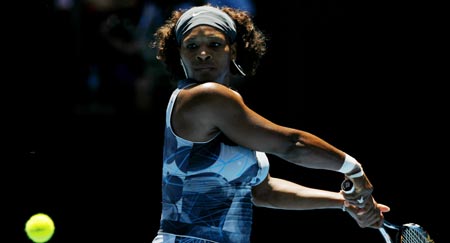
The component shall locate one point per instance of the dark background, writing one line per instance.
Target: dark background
(364, 76)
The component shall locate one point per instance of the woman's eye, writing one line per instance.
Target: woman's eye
(215, 44)
(191, 46)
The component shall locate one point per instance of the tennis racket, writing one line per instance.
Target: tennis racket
(406, 233)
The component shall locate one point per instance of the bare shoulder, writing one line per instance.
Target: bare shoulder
(200, 109)
(212, 88)
(210, 93)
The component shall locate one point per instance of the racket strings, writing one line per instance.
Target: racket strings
(415, 235)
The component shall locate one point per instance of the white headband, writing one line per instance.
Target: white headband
(205, 15)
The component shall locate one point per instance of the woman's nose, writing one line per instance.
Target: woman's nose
(203, 56)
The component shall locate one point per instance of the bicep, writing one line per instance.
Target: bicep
(247, 128)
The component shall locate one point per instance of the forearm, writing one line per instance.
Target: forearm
(282, 194)
(310, 151)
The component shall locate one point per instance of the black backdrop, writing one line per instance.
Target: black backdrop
(360, 75)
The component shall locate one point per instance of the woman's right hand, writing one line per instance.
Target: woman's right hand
(369, 216)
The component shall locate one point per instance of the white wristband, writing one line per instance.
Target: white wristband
(349, 164)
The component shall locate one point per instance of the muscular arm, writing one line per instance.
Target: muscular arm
(207, 108)
(282, 194)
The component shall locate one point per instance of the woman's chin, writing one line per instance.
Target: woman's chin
(206, 77)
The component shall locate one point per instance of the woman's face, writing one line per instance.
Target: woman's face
(206, 54)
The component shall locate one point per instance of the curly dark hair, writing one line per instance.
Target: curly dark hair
(250, 41)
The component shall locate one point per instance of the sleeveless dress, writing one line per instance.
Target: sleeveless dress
(206, 187)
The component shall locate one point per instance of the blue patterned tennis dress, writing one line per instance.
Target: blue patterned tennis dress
(206, 187)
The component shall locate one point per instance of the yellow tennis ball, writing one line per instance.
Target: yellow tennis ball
(40, 228)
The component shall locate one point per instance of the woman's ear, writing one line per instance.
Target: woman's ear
(233, 56)
(233, 51)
